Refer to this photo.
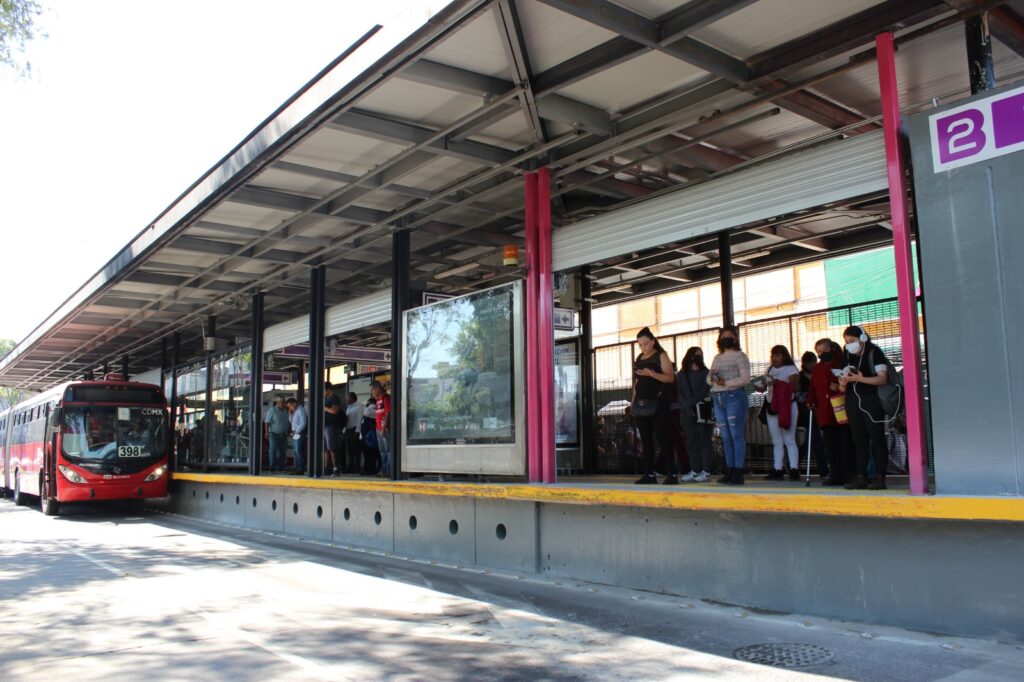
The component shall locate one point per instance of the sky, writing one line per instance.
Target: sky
(129, 103)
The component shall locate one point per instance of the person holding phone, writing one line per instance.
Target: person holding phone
(783, 377)
(729, 376)
(866, 369)
(825, 385)
(692, 389)
(652, 370)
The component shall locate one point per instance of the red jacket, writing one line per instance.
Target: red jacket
(818, 399)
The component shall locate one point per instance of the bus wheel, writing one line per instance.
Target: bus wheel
(49, 505)
(19, 498)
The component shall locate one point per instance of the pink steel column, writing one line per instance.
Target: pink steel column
(910, 336)
(545, 328)
(532, 374)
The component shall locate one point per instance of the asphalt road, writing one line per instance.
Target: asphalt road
(101, 594)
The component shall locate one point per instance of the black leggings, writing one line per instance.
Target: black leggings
(838, 449)
(657, 427)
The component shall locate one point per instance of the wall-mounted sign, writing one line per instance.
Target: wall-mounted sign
(564, 319)
(984, 129)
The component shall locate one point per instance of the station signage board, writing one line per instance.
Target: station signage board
(981, 130)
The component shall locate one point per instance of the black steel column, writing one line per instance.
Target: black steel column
(588, 422)
(317, 361)
(89, 376)
(163, 362)
(979, 54)
(256, 386)
(124, 367)
(725, 266)
(106, 370)
(173, 435)
(400, 302)
(301, 388)
(208, 410)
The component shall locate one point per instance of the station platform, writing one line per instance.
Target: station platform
(757, 496)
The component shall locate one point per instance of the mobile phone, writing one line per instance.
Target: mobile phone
(838, 373)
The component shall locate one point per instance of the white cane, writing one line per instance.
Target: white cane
(810, 427)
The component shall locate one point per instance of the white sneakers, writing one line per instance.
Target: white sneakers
(694, 477)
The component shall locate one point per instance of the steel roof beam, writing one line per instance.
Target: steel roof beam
(1008, 28)
(648, 32)
(695, 15)
(388, 130)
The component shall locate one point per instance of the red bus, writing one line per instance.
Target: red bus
(86, 440)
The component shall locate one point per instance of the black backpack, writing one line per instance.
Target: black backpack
(890, 394)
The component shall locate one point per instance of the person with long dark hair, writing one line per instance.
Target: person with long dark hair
(867, 368)
(652, 370)
(782, 413)
(692, 387)
(728, 378)
(825, 386)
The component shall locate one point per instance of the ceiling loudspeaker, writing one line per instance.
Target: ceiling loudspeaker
(210, 344)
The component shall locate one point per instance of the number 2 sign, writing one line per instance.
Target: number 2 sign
(984, 129)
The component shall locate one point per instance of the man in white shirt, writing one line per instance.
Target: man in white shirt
(299, 421)
(353, 448)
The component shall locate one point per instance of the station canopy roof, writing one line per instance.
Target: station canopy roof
(427, 124)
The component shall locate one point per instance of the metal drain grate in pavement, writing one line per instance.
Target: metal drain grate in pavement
(784, 655)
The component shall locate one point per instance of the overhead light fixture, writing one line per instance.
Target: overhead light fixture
(457, 270)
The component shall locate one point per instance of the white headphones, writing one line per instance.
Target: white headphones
(864, 338)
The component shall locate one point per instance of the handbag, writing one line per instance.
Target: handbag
(705, 412)
(839, 408)
(645, 407)
(762, 414)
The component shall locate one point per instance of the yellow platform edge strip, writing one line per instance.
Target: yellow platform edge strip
(886, 506)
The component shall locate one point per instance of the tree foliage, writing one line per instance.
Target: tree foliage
(18, 28)
(9, 396)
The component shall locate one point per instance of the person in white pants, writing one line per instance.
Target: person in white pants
(783, 369)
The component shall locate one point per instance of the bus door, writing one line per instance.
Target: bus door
(48, 475)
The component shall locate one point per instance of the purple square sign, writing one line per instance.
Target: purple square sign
(978, 130)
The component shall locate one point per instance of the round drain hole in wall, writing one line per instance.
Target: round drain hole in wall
(238, 499)
(453, 527)
(412, 522)
(207, 494)
(254, 503)
(295, 508)
(501, 531)
(222, 498)
(193, 493)
(347, 514)
(273, 505)
(377, 518)
(319, 512)
(784, 655)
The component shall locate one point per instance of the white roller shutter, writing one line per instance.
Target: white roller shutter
(150, 377)
(831, 172)
(355, 314)
(360, 312)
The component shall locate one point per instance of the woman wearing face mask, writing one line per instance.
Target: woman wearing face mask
(652, 370)
(808, 361)
(692, 387)
(728, 378)
(825, 385)
(782, 382)
(866, 370)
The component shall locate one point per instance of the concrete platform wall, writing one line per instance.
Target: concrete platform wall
(955, 577)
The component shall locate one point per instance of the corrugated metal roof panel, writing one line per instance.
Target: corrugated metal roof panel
(553, 36)
(337, 150)
(634, 81)
(426, 104)
(476, 46)
(770, 23)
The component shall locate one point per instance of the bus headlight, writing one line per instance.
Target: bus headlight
(154, 475)
(70, 474)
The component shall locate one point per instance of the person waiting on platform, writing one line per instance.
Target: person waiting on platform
(692, 387)
(383, 423)
(300, 427)
(825, 386)
(277, 426)
(334, 419)
(353, 448)
(368, 430)
(782, 379)
(867, 368)
(808, 361)
(728, 378)
(652, 372)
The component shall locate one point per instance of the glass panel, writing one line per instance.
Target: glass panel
(113, 434)
(567, 393)
(459, 360)
(190, 415)
(229, 406)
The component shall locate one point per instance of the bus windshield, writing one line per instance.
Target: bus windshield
(113, 433)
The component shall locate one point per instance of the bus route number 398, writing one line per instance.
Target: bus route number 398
(130, 451)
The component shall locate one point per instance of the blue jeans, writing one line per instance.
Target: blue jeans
(299, 446)
(278, 447)
(385, 453)
(731, 415)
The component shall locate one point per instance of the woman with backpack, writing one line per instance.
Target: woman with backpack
(782, 381)
(866, 370)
